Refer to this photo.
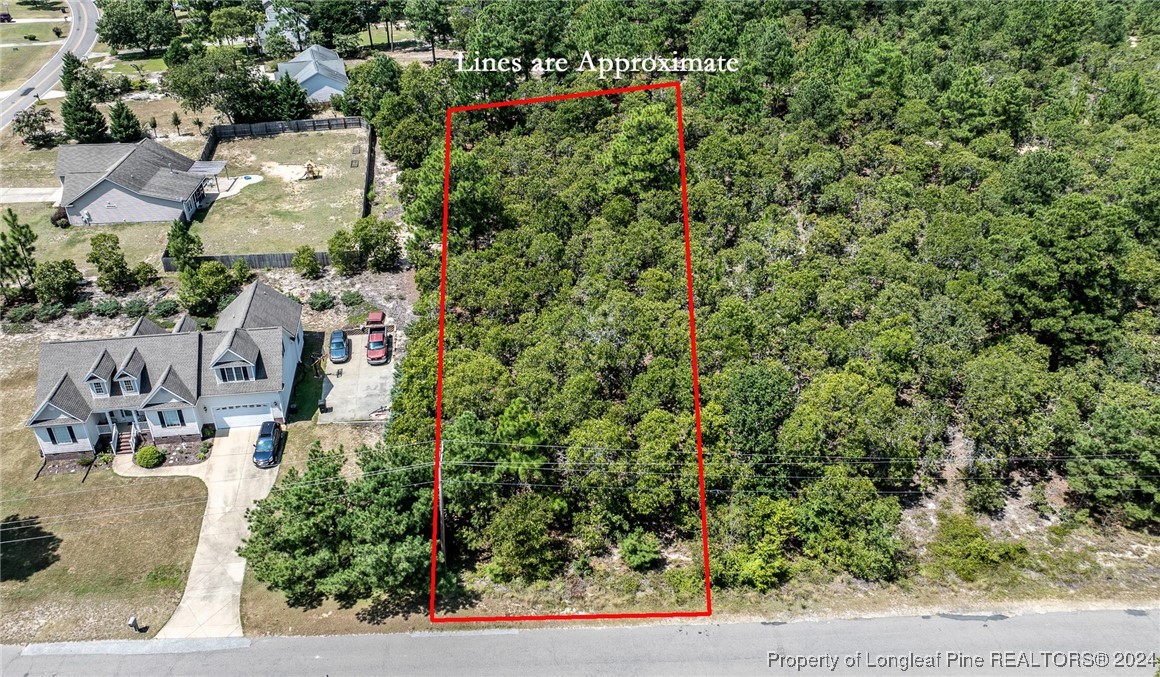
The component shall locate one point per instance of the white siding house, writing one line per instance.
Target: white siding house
(157, 385)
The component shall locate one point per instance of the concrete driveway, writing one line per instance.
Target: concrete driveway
(210, 606)
(361, 389)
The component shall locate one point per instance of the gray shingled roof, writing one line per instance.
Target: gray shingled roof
(133, 364)
(146, 326)
(239, 343)
(315, 59)
(145, 167)
(260, 305)
(184, 323)
(178, 361)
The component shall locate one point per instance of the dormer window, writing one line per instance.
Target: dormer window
(129, 386)
(231, 374)
(99, 389)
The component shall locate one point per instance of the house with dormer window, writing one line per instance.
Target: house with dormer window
(156, 385)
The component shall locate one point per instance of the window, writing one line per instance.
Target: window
(231, 374)
(62, 434)
(172, 418)
(99, 388)
(129, 387)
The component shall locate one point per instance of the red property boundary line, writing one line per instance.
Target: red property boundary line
(708, 611)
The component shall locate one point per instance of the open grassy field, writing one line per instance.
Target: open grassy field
(281, 213)
(17, 64)
(80, 558)
(124, 62)
(12, 33)
(139, 241)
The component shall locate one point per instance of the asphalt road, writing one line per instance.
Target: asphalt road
(1078, 643)
(82, 36)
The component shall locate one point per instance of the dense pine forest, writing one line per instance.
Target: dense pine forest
(926, 262)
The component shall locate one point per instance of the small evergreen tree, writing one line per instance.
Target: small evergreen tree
(176, 120)
(124, 125)
(184, 247)
(82, 120)
(17, 260)
(69, 65)
(290, 99)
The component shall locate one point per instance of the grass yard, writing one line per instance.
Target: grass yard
(139, 241)
(17, 64)
(379, 32)
(10, 33)
(24, 167)
(37, 9)
(101, 551)
(281, 213)
(126, 61)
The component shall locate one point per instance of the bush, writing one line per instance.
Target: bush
(86, 461)
(81, 310)
(207, 431)
(320, 300)
(149, 457)
(522, 545)
(640, 550)
(59, 218)
(105, 457)
(306, 264)
(21, 313)
(49, 312)
(136, 308)
(962, 547)
(56, 281)
(351, 299)
(241, 271)
(144, 274)
(165, 308)
(107, 308)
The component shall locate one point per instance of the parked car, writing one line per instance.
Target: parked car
(378, 346)
(339, 347)
(268, 448)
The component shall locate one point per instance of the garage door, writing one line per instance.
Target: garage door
(241, 415)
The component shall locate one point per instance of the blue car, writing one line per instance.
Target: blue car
(268, 448)
(339, 347)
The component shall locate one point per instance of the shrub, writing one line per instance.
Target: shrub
(59, 218)
(56, 281)
(305, 263)
(144, 274)
(107, 308)
(49, 312)
(962, 547)
(241, 271)
(351, 298)
(105, 457)
(81, 310)
(165, 308)
(522, 545)
(320, 300)
(21, 313)
(211, 285)
(86, 461)
(136, 308)
(149, 457)
(207, 431)
(640, 550)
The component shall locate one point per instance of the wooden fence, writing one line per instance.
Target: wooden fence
(254, 261)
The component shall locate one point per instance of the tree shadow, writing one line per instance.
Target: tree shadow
(446, 601)
(25, 548)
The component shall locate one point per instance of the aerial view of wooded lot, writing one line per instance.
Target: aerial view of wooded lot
(926, 263)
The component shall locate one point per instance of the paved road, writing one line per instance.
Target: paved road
(210, 606)
(708, 649)
(82, 36)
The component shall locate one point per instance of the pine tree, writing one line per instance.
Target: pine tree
(17, 260)
(82, 120)
(69, 65)
(290, 99)
(124, 126)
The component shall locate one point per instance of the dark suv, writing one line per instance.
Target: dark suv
(268, 449)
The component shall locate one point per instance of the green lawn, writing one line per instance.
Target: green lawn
(37, 9)
(10, 33)
(280, 213)
(24, 167)
(17, 64)
(84, 562)
(139, 241)
(379, 32)
(125, 62)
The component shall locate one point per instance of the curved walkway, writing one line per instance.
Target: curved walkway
(211, 605)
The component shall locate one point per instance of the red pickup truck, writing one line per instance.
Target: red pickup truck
(378, 341)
